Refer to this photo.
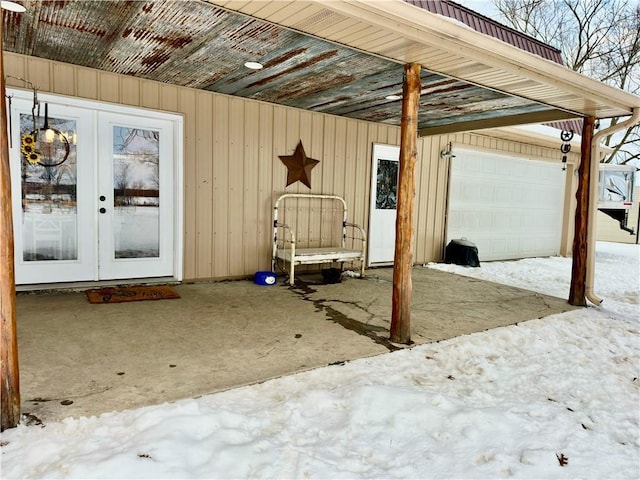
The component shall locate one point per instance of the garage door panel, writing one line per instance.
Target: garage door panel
(517, 197)
(509, 248)
(501, 222)
(503, 193)
(508, 206)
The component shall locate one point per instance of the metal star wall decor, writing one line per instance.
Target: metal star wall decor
(299, 166)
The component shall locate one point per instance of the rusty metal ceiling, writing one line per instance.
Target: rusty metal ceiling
(196, 44)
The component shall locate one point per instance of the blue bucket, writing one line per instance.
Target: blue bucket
(264, 278)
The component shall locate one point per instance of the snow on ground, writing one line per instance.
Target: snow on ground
(513, 402)
(617, 276)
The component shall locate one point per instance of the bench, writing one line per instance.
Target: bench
(313, 229)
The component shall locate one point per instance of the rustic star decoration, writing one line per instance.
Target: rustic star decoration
(299, 166)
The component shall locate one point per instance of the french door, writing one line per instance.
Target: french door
(135, 207)
(93, 193)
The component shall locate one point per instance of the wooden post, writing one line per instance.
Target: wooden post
(403, 258)
(10, 390)
(579, 266)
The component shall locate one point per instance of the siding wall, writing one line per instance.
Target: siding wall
(232, 173)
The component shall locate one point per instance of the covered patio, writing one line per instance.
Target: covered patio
(343, 58)
(80, 359)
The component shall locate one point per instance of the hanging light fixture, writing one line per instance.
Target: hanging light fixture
(49, 134)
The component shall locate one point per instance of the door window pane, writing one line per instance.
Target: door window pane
(49, 200)
(136, 192)
(386, 185)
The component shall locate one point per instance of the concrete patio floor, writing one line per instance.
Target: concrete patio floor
(80, 359)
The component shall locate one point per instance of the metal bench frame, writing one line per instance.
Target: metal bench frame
(287, 252)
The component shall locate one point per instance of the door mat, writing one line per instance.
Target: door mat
(130, 294)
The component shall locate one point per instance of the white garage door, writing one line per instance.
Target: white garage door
(508, 206)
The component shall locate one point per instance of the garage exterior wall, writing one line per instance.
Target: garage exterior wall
(232, 173)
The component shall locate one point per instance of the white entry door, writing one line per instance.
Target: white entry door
(134, 197)
(93, 193)
(52, 199)
(384, 188)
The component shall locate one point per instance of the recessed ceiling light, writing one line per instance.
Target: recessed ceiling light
(393, 97)
(12, 6)
(254, 65)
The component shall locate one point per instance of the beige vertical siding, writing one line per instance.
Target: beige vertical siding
(189, 103)
(232, 173)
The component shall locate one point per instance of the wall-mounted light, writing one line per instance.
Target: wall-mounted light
(393, 97)
(447, 153)
(12, 6)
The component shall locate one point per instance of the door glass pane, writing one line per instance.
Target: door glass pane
(136, 195)
(49, 199)
(386, 184)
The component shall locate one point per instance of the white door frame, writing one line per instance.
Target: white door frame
(59, 103)
(382, 222)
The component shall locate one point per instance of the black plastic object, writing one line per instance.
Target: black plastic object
(331, 275)
(462, 252)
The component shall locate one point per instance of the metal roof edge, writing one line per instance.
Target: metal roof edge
(505, 27)
(414, 23)
(484, 20)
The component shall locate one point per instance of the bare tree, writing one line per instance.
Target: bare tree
(122, 176)
(598, 38)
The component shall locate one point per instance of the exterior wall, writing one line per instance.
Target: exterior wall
(608, 230)
(232, 173)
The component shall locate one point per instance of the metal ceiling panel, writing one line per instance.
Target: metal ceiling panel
(200, 45)
(70, 31)
(441, 44)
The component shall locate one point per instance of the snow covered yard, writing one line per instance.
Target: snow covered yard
(557, 397)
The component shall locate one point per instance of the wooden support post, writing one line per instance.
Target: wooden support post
(10, 390)
(403, 258)
(579, 266)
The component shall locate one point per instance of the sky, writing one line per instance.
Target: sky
(485, 7)
(555, 397)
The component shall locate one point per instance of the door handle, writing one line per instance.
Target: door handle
(103, 210)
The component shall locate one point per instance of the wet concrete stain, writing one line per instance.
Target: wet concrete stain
(304, 289)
